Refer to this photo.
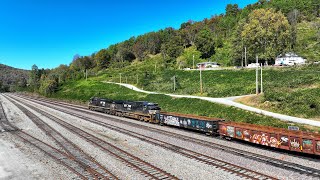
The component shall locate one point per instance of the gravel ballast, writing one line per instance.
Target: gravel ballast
(176, 164)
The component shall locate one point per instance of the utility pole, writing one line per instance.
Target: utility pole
(257, 76)
(261, 80)
(86, 74)
(120, 78)
(200, 80)
(126, 79)
(245, 56)
(242, 59)
(193, 61)
(137, 79)
(174, 83)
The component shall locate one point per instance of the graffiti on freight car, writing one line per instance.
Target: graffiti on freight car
(284, 141)
(208, 125)
(246, 135)
(230, 131)
(223, 129)
(171, 120)
(238, 133)
(318, 146)
(256, 138)
(184, 122)
(307, 144)
(294, 143)
(264, 139)
(274, 142)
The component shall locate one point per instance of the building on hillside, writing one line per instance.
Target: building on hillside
(207, 65)
(289, 59)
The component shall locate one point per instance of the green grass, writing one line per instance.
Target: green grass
(83, 90)
(289, 90)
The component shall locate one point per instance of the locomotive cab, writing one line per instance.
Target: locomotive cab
(153, 108)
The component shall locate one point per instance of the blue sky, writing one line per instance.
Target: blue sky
(50, 32)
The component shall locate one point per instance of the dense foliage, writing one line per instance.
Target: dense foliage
(12, 79)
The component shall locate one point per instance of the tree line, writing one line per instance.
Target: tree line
(266, 28)
(12, 79)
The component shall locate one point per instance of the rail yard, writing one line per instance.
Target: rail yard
(46, 139)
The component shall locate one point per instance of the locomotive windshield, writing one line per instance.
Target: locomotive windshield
(154, 107)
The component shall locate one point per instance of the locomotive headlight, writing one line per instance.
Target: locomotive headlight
(153, 111)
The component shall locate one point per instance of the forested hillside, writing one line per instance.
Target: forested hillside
(12, 78)
(266, 28)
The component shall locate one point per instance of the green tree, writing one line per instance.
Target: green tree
(173, 48)
(238, 44)
(266, 33)
(102, 59)
(232, 9)
(308, 40)
(187, 57)
(205, 42)
(34, 78)
(224, 54)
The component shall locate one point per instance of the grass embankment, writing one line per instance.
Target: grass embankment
(293, 91)
(83, 90)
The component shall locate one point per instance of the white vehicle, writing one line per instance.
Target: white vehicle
(289, 59)
(253, 65)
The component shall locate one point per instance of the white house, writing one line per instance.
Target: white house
(207, 65)
(289, 59)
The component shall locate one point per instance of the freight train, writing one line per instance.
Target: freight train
(280, 138)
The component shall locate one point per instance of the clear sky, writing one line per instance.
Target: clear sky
(50, 32)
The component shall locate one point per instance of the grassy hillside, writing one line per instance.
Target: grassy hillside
(83, 90)
(289, 90)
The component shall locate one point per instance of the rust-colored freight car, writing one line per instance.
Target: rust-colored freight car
(274, 137)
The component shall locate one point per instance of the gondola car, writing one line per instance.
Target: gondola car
(280, 138)
(204, 124)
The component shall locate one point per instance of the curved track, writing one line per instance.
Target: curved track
(257, 157)
(240, 171)
(61, 157)
(73, 151)
(145, 168)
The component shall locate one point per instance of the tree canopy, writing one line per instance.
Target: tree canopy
(266, 33)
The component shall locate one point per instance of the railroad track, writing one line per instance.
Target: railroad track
(254, 156)
(95, 169)
(145, 168)
(5, 125)
(232, 168)
(59, 156)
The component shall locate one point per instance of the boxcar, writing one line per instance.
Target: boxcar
(192, 122)
(274, 137)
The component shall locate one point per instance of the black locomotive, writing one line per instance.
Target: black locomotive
(141, 110)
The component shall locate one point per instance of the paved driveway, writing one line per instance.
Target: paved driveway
(229, 101)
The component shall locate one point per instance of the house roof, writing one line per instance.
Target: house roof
(290, 54)
(214, 63)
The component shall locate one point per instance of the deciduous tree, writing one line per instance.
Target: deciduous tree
(266, 33)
